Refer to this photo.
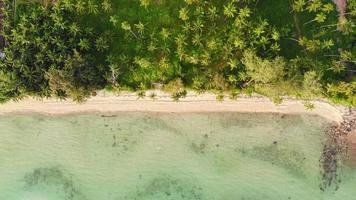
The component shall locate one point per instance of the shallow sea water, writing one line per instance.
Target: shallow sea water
(156, 156)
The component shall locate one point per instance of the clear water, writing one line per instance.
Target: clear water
(141, 156)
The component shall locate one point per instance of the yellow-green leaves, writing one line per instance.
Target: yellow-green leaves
(142, 62)
(92, 7)
(145, 3)
(314, 5)
(312, 82)
(164, 33)
(183, 14)
(263, 71)
(320, 17)
(140, 27)
(298, 5)
(106, 6)
(126, 26)
(230, 10)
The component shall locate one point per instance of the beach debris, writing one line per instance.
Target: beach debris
(108, 115)
(114, 138)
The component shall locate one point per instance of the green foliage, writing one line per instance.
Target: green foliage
(220, 97)
(70, 48)
(234, 94)
(153, 96)
(263, 71)
(176, 89)
(309, 106)
(49, 52)
(277, 100)
(312, 82)
(343, 93)
(141, 94)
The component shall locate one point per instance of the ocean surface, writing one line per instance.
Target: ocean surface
(156, 156)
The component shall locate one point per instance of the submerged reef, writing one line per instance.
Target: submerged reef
(292, 161)
(55, 178)
(168, 188)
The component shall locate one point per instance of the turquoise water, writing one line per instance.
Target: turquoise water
(141, 156)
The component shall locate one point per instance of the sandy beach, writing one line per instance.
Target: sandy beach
(129, 102)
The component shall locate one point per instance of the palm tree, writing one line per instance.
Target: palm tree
(74, 29)
(140, 28)
(164, 33)
(197, 39)
(314, 5)
(230, 10)
(181, 40)
(183, 14)
(127, 27)
(114, 20)
(80, 6)
(298, 5)
(144, 3)
(92, 7)
(244, 12)
(101, 44)
(198, 25)
(212, 13)
(84, 44)
(319, 18)
(106, 6)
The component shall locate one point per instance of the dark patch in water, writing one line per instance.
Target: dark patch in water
(292, 161)
(53, 177)
(157, 123)
(108, 116)
(336, 151)
(199, 148)
(168, 188)
(114, 139)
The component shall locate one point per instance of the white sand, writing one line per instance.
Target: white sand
(108, 102)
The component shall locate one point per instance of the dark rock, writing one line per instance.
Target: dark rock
(336, 150)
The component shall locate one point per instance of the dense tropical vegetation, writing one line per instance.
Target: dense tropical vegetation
(71, 48)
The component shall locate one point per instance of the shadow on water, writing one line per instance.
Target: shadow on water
(54, 178)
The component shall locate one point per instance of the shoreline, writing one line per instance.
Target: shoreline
(342, 134)
(106, 102)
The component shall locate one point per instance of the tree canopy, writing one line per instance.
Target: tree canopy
(70, 48)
